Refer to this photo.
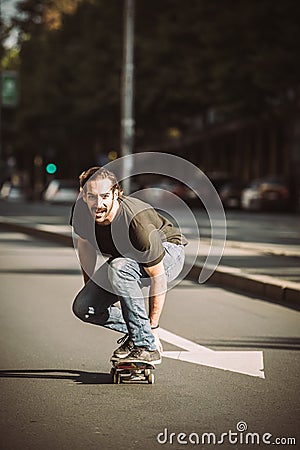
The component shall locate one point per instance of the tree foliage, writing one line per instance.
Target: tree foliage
(70, 80)
(237, 58)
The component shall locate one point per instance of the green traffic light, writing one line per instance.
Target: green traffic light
(51, 168)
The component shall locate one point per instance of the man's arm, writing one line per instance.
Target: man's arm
(87, 257)
(158, 290)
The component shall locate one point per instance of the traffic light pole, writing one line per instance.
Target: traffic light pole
(127, 89)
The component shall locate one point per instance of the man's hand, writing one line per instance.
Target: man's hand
(158, 344)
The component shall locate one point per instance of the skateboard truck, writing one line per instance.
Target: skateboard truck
(132, 371)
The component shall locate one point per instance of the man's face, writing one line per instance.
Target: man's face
(101, 200)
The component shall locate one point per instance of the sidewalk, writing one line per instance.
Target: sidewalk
(269, 271)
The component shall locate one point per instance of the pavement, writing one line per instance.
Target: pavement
(268, 271)
(228, 360)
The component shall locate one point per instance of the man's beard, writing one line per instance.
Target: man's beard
(101, 213)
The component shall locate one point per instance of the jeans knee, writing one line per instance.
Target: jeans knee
(120, 269)
(79, 309)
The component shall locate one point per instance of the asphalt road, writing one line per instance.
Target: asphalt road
(56, 391)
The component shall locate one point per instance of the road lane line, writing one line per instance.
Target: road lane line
(244, 362)
(181, 342)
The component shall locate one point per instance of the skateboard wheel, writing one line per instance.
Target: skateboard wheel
(151, 378)
(147, 372)
(118, 378)
(114, 376)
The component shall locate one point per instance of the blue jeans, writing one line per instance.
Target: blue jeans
(122, 280)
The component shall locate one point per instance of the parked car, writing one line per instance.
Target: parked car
(12, 192)
(159, 189)
(61, 191)
(230, 194)
(228, 189)
(270, 193)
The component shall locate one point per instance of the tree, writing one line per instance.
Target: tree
(70, 78)
(238, 59)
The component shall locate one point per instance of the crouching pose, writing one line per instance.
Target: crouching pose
(143, 249)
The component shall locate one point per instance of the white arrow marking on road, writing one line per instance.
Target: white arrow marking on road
(245, 362)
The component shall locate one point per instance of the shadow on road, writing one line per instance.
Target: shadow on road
(264, 343)
(77, 376)
(42, 271)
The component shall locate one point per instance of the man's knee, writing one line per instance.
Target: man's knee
(121, 269)
(82, 308)
(79, 308)
(87, 313)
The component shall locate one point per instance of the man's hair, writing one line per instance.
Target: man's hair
(102, 173)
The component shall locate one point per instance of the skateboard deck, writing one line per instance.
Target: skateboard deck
(131, 372)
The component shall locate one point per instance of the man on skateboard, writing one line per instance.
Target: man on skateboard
(144, 249)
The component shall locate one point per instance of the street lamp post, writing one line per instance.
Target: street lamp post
(127, 93)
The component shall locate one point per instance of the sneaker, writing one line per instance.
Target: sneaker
(125, 348)
(141, 354)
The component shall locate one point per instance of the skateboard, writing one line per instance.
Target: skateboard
(131, 372)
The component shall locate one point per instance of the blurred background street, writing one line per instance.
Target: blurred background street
(85, 83)
(257, 243)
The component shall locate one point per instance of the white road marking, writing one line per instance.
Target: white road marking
(245, 362)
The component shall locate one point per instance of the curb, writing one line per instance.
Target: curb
(269, 288)
(266, 287)
(40, 234)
